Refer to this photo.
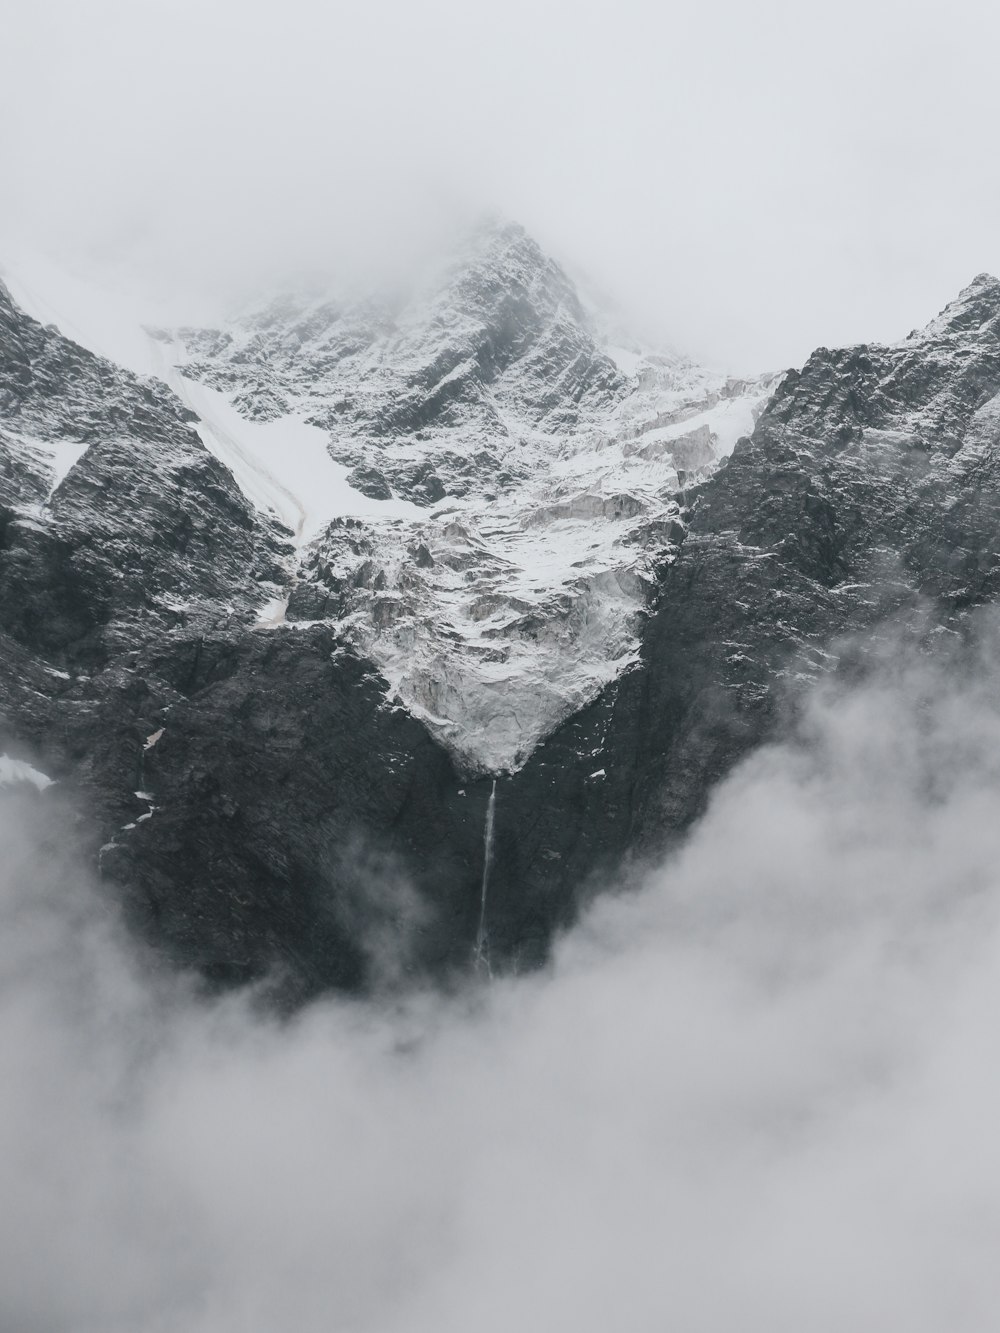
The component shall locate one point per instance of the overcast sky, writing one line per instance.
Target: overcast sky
(753, 178)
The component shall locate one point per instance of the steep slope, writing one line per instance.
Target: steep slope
(881, 476)
(868, 496)
(112, 510)
(529, 485)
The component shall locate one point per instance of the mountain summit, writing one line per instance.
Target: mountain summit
(975, 307)
(526, 480)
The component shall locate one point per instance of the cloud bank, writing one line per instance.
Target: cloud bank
(760, 1093)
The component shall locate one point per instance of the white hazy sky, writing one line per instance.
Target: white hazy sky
(755, 178)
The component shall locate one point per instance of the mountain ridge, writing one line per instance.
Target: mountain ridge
(223, 688)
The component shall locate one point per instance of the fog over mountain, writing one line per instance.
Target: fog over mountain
(499, 709)
(753, 180)
(760, 1092)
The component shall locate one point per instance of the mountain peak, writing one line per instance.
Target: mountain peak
(500, 259)
(976, 305)
(982, 281)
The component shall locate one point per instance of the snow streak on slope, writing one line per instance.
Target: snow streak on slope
(283, 466)
(54, 457)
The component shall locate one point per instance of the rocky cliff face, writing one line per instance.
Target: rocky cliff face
(117, 524)
(282, 615)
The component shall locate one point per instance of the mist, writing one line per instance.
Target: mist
(746, 181)
(760, 1092)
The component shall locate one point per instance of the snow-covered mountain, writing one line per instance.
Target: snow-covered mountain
(481, 488)
(292, 605)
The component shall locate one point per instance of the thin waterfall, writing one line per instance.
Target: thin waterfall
(480, 956)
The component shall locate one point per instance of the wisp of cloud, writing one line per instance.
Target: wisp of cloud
(759, 1093)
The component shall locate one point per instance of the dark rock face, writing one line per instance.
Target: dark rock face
(260, 800)
(145, 532)
(369, 481)
(300, 843)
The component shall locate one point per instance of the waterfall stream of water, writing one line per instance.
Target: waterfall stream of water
(481, 953)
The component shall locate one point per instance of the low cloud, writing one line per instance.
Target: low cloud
(760, 1093)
